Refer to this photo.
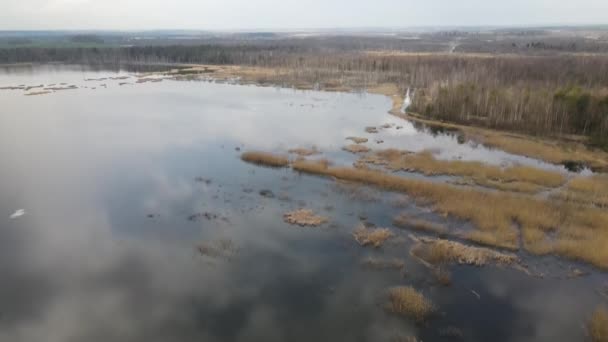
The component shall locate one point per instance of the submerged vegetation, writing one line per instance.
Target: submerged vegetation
(598, 326)
(404, 221)
(406, 301)
(382, 263)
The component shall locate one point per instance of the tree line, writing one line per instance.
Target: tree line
(556, 94)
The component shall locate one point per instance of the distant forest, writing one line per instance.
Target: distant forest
(547, 94)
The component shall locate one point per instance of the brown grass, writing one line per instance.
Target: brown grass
(304, 217)
(371, 236)
(265, 159)
(598, 326)
(355, 148)
(587, 190)
(581, 232)
(406, 301)
(404, 221)
(515, 178)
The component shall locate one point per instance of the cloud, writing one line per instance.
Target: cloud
(232, 14)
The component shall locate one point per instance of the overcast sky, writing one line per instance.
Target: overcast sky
(290, 14)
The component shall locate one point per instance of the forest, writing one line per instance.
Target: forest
(552, 94)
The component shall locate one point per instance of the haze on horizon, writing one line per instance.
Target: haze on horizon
(291, 14)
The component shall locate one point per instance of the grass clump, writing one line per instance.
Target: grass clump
(371, 236)
(406, 301)
(357, 140)
(443, 276)
(439, 251)
(304, 217)
(598, 326)
(265, 159)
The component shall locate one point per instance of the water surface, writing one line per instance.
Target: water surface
(120, 183)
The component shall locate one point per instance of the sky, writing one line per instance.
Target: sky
(292, 14)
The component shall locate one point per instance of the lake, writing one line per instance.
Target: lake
(121, 184)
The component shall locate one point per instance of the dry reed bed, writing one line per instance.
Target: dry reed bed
(572, 231)
(265, 159)
(548, 150)
(440, 251)
(587, 190)
(406, 301)
(514, 178)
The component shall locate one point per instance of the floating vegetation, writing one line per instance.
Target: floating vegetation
(356, 191)
(371, 129)
(451, 333)
(406, 301)
(266, 159)
(355, 148)
(304, 152)
(383, 264)
(12, 88)
(304, 217)
(598, 326)
(371, 236)
(267, 193)
(357, 140)
(34, 93)
(61, 88)
(218, 249)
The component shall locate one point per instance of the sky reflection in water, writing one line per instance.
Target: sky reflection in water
(88, 263)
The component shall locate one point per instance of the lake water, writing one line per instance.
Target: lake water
(121, 183)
